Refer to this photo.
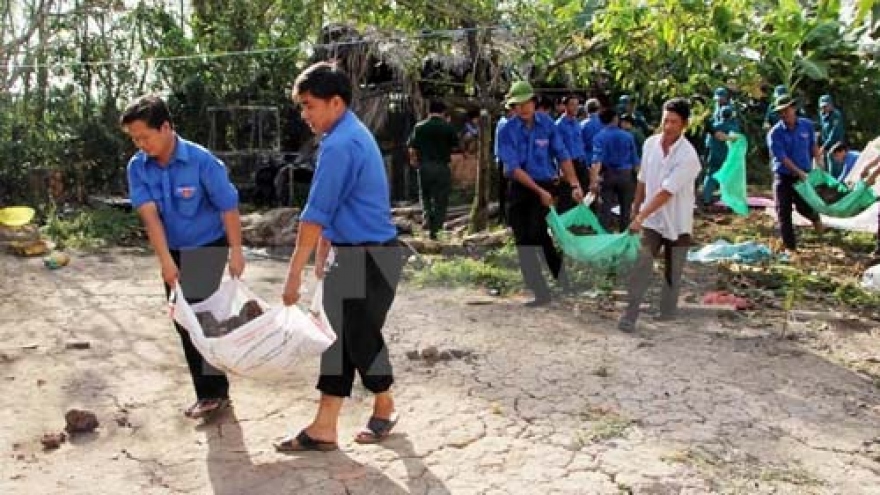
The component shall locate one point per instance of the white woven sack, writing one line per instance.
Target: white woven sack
(268, 346)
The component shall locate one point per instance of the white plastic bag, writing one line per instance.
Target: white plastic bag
(268, 346)
(871, 279)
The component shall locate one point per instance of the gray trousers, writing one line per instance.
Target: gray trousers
(674, 254)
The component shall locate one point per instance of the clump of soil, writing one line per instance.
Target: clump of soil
(52, 441)
(80, 421)
(829, 195)
(213, 328)
(432, 354)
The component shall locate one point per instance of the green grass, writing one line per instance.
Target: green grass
(605, 425)
(463, 272)
(92, 228)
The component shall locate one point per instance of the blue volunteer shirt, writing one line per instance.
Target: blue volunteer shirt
(570, 129)
(501, 122)
(191, 193)
(615, 148)
(796, 144)
(839, 170)
(589, 129)
(349, 195)
(532, 150)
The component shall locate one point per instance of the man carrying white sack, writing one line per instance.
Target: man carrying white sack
(190, 211)
(348, 209)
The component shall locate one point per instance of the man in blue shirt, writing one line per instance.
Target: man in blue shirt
(792, 144)
(349, 211)
(528, 145)
(570, 129)
(831, 124)
(591, 126)
(503, 186)
(615, 158)
(190, 211)
(841, 160)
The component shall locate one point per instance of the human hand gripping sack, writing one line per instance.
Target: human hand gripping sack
(236, 263)
(290, 296)
(546, 198)
(170, 274)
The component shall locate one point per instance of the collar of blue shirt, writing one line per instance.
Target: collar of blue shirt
(181, 152)
(348, 115)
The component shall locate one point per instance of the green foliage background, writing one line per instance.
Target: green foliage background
(63, 85)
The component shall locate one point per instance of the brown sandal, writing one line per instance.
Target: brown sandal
(377, 429)
(303, 442)
(205, 407)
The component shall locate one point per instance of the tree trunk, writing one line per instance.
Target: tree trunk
(479, 211)
(480, 208)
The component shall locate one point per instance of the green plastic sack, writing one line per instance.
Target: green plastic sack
(731, 176)
(602, 249)
(852, 202)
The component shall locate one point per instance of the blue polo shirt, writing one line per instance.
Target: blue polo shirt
(589, 129)
(500, 125)
(795, 144)
(615, 148)
(532, 150)
(191, 193)
(349, 195)
(839, 170)
(570, 129)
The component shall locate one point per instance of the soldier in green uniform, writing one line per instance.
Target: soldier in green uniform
(430, 149)
(831, 126)
(722, 130)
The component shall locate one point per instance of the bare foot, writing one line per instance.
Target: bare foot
(383, 406)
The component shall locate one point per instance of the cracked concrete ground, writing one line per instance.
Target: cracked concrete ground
(548, 401)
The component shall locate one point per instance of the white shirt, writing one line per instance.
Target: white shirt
(674, 173)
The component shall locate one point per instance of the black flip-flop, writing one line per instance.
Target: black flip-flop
(377, 429)
(303, 442)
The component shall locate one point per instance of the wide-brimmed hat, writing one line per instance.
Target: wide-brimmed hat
(520, 92)
(783, 102)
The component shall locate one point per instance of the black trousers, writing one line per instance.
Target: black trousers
(674, 254)
(618, 188)
(200, 272)
(503, 194)
(564, 201)
(358, 292)
(528, 219)
(787, 197)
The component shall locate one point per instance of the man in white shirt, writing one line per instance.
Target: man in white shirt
(663, 211)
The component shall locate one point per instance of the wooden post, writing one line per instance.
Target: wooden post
(480, 208)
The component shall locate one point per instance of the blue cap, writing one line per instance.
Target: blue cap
(780, 90)
(721, 93)
(624, 99)
(824, 100)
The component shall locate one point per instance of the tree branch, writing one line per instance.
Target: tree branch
(571, 58)
(38, 16)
